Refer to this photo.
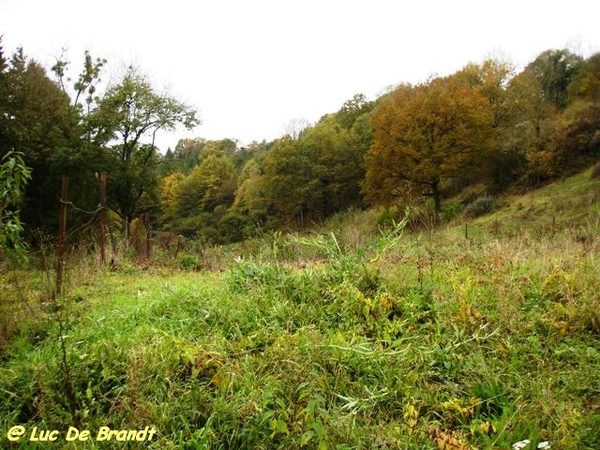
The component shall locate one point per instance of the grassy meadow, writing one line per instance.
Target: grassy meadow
(478, 334)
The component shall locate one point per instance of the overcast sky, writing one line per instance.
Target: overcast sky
(252, 66)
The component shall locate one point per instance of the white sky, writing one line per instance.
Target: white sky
(252, 66)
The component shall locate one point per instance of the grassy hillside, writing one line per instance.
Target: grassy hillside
(476, 336)
(572, 204)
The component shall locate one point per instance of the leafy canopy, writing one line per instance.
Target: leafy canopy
(425, 133)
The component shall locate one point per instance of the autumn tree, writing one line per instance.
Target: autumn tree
(168, 192)
(582, 118)
(194, 204)
(537, 97)
(424, 134)
(491, 79)
(210, 184)
(504, 162)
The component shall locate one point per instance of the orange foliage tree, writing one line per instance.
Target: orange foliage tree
(424, 134)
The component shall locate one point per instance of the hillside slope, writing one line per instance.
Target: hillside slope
(571, 204)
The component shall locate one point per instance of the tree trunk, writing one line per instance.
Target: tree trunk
(437, 196)
(126, 232)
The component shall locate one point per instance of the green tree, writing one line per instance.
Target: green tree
(86, 83)
(337, 163)
(35, 119)
(251, 199)
(82, 157)
(285, 180)
(211, 183)
(554, 70)
(352, 109)
(130, 113)
(304, 180)
(186, 155)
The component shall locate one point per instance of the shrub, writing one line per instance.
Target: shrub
(451, 211)
(482, 205)
(387, 216)
(232, 227)
(186, 261)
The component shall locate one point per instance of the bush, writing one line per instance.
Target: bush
(480, 206)
(232, 227)
(187, 262)
(451, 211)
(387, 216)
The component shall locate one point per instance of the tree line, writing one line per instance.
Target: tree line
(483, 129)
(65, 127)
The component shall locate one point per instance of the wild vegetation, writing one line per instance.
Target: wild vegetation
(417, 271)
(352, 336)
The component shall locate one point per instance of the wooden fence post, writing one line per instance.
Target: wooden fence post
(148, 247)
(103, 226)
(62, 227)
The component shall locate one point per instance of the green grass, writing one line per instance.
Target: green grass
(570, 205)
(425, 341)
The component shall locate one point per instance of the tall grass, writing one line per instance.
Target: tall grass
(394, 340)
